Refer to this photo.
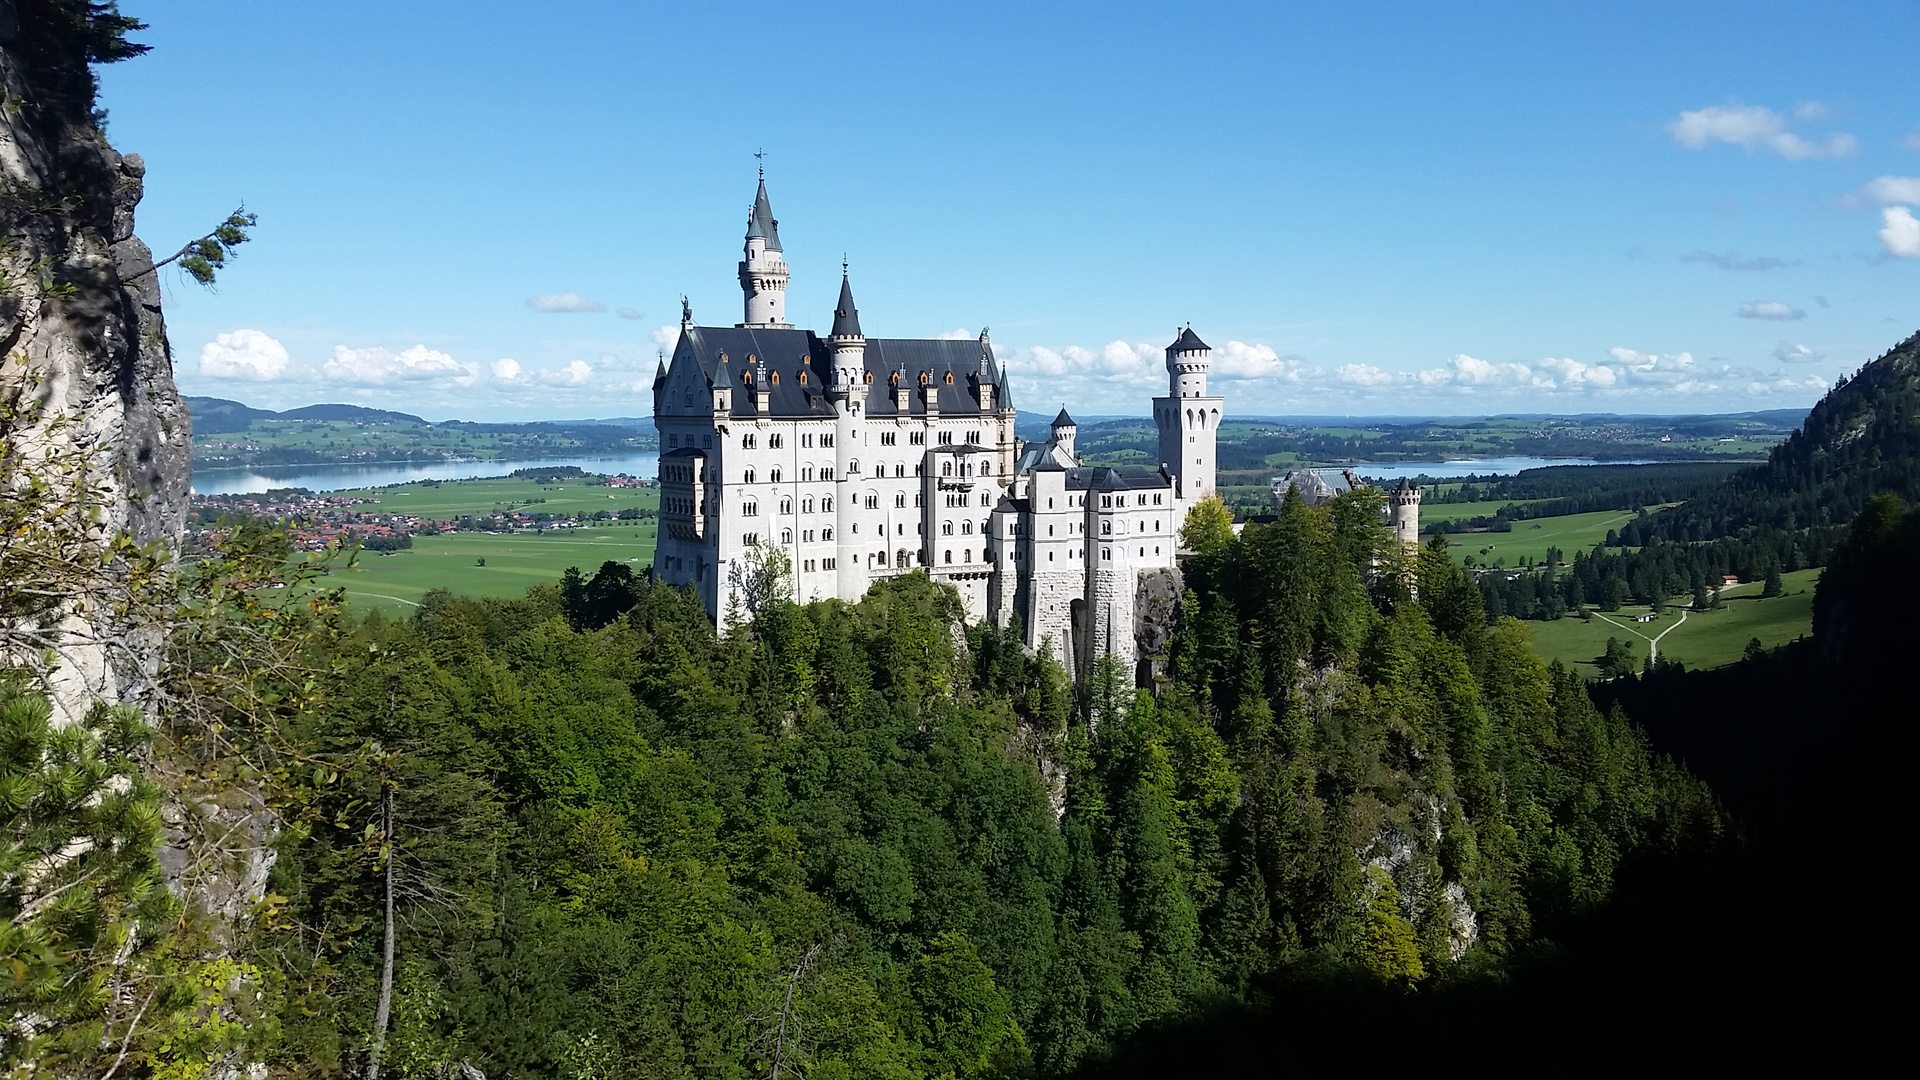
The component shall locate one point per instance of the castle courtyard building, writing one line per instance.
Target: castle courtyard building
(865, 458)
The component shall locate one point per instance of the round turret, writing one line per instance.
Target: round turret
(1403, 511)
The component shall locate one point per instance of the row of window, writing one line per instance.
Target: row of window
(809, 440)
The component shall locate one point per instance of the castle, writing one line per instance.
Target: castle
(863, 458)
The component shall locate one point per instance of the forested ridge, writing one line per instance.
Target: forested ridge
(625, 845)
(1862, 439)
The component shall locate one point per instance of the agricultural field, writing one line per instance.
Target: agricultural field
(452, 498)
(1432, 512)
(1569, 533)
(485, 564)
(1699, 640)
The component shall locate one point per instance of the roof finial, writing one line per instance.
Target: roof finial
(760, 155)
(843, 264)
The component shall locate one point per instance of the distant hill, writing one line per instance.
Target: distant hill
(1862, 439)
(213, 416)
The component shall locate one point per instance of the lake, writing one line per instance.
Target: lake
(342, 477)
(1500, 466)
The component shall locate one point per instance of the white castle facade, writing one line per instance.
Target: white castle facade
(866, 458)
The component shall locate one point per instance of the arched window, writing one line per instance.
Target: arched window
(786, 536)
(826, 472)
(750, 509)
(899, 470)
(786, 505)
(1106, 528)
(775, 442)
(949, 556)
(774, 474)
(775, 377)
(966, 527)
(967, 555)
(893, 379)
(746, 378)
(853, 467)
(746, 442)
(946, 468)
(984, 500)
(900, 559)
(826, 534)
(747, 477)
(806, 505)
(900, 499)
(826, 505)
(946, 528)
(806, 472)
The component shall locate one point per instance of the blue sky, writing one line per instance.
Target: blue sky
(1377, 208)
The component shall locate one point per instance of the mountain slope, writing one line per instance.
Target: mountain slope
(1862, 439)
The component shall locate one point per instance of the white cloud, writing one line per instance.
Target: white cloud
(1770, 309)
(1239, 360)
(564, 303)
(507, 370)
(243, 354)
(1366, 375)
(959, 333)
(1757, 128)
(1792, 353)
(631, 313)
(377, 366)
(1571, 374)
(576, 373)
(1471, 371)
(667, 337)
(1887, 190)
(1731, 260)
(1900, 232)
(1912, 140)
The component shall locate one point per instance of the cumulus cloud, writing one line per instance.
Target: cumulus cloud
(1470, 371)
(1887, 190)
(1792, 353)
(666, 336)
(631, 313)
(377, 366)
(1569, 374)
(1366, 375)
(243, 354)
(1731, 260)
(1239, 360)
(958, 333)
(575, 373)
(507, 370)
(1755, 127)
(1770, 309)
(1900, 232)
(564, 303)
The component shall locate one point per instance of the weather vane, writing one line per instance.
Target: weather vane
(760, 156)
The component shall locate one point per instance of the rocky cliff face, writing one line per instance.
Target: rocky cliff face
(82, 341)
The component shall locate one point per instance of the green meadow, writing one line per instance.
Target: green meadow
(1569, 533)
(451, 498)
(1702, 639)
(513, 562)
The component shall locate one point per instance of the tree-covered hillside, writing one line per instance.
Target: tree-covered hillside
(622, 845)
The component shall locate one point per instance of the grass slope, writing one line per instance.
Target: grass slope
(451, 499)
(1704, 640)
(396, 582)
(1569, 533)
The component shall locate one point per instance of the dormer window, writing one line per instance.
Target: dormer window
(869, 378)
(949, 378)
(746, 378)
(776, 378)
(803, 376)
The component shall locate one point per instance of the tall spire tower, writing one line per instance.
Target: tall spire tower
(763, 272)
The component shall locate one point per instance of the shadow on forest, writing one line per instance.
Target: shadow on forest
(1786, 955)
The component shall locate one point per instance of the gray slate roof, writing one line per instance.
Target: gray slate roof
(788, 352)
(1116, 478)
(846, 317)
(760, 222)
(1188, 341)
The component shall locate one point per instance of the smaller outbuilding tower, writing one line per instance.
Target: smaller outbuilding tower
(1403, 512)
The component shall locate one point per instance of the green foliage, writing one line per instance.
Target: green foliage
(1390, 952)
(1208, 527)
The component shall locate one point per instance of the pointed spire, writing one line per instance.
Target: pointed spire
(846, 317)
(1063, 420)
(760, 223)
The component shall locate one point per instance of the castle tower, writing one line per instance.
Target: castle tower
(1188, 419)
(1403, 512)
(763, 272)
(1064, 430)
(849, 397)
